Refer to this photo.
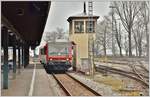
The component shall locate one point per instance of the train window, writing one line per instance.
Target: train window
(42, 51)
(58, 49)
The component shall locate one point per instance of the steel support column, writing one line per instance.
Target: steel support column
(26, 55)
(25, 58)
(22, 55)
(14, 56)
(19, 65)
(5, 46)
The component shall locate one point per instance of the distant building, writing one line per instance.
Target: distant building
(80, 32)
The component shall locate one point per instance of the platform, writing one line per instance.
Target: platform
(30, 82)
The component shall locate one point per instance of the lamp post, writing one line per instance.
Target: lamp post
(113, 49)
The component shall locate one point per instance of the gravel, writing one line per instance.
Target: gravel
(100, 88)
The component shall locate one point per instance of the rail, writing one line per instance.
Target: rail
(121, 72)
(63, 79)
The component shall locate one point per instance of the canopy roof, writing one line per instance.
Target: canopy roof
(28, 18)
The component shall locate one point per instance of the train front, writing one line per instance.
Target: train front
(59, 56)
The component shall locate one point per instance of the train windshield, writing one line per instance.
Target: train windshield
(58, 49)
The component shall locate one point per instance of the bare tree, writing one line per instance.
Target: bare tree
(50, 36)
(126, 46)
(60, 32)
(113, 42)
(145, 12)
(103, 34)
(138, 32)
(118, 36)
(54, 35)
(127, 11)
(136, 43)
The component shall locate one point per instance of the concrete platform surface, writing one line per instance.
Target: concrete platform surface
(42, 85)
(28, 83)
(19, 86)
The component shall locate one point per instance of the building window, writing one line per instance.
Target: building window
(90, 26)
(79, 26)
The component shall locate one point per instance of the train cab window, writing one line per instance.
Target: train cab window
(43, 52)
(79, 27)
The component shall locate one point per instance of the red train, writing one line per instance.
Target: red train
(56, 54)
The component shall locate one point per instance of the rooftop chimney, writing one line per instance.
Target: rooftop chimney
(84, 8)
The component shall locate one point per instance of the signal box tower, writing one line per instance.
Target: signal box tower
(81, 30)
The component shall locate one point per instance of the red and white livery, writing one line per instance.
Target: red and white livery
(56, 52)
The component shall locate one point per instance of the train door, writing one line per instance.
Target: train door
(43, 55)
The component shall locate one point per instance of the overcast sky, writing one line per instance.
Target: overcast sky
(60, 11)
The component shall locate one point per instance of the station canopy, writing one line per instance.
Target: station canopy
(28, 18)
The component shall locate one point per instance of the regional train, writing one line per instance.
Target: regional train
(57, 56)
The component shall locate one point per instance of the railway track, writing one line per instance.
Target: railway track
(139, 74)
(132, 75)
(73, 87)
(142, 66)
(142, 74)
(128, 72)
(129, 63)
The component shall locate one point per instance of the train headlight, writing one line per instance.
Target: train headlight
(51, 59)
(67, 59)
